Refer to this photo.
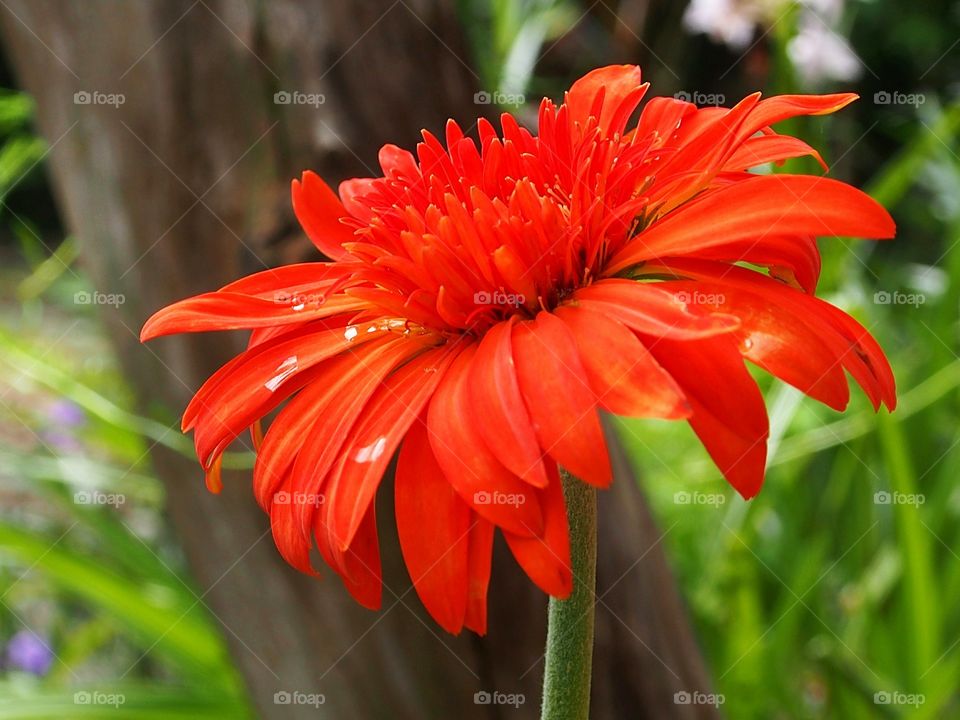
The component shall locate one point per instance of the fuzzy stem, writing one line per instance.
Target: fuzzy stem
(569, 655)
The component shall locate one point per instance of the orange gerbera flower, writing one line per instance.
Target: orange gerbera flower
(484, 301)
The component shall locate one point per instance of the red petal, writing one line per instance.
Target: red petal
(233, 311)
(769, 148)
(319, 211)
(495, 395)
(375, 437)
(481, 555)
(769, 205)
(783, 342)
(795, 260)
(482, 481)
(782, 107)
(729, 416)
(434, 528)
(265, 377)
(361, 573)
(646, 308)
(826, 338)
(546, 559)
(609, 93)
(561, 404)
(623, 375)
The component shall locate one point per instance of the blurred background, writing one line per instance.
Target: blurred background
(146, 150)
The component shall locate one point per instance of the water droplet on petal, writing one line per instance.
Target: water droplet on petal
(287, 368)
(371, 452)
(301, 306)
(350, 333)
(747, 343)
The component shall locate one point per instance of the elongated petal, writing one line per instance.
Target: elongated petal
(646, 308)
(503, 421)
(374, 439)
(782, 342)
(319, 211)
(546, 559)
(770, 205)
(361, 572)
(824, 338)
(783, 107)
(623, 375)
(475, 473)
(561, 404)
(434, 528)
(729, 416)
(479, 562)
(262, 381)
(232, 311)
(756, 151)
(609, 93)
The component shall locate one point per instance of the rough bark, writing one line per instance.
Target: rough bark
(185, 186)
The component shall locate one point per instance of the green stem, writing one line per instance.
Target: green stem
(569, 656)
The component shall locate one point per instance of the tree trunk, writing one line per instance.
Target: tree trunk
(185, 186)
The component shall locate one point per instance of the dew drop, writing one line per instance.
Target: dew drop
(287, 368)
(299, 307)
(350, 333)
(371, 452)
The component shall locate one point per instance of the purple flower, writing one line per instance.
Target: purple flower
(65, 413)
(29, 652)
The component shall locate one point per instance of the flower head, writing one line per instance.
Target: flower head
(486, 299)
